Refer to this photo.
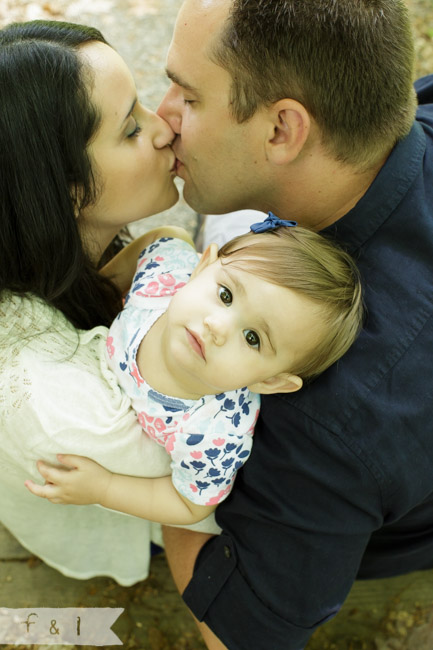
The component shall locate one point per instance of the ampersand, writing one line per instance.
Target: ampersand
(53, 625)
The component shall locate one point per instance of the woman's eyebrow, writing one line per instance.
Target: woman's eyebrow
(130, 111)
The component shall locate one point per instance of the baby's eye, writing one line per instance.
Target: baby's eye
(225, 295)
(252, 338)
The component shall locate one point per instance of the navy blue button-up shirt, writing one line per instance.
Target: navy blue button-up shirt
(340, 482)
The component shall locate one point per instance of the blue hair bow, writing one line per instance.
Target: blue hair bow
(270, 223)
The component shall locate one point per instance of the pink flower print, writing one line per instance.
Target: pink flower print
(142, 419)
(213, 501)
(185, 417)
(251, 429)
(166, 291)
(196, 455)
(166, 279)
(141, 262)
(159, 424)
(218, 442)
(150, 431)
(169, 445)
(135, 375)
(180, 285)
(159, 259)
(110, 347)
(152, 288)
(193, 487)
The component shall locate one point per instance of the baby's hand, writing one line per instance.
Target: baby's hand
(81, 482)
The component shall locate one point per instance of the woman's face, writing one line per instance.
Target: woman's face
(132, 160)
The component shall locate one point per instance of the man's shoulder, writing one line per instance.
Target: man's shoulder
(424, 89)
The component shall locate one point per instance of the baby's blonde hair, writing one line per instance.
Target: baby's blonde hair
(304, 261)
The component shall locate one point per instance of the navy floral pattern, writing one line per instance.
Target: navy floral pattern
(208, 439)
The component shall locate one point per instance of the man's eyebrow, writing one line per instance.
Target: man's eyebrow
(180, 82)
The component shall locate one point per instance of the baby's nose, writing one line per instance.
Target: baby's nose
(218, 327)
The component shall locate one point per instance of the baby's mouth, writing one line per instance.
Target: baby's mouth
(196, 343)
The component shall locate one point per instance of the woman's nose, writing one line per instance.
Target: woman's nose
(164, 134)
(170, 108)
(218, 328)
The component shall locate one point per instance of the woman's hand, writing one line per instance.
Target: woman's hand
(80, 482)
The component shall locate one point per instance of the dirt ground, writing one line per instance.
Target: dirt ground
(396, 614)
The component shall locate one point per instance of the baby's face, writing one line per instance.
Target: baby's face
(229, 329)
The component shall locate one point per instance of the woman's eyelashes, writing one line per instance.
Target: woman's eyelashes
(136, 130)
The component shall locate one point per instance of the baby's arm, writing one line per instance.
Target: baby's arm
(122, 267)
(85, 482)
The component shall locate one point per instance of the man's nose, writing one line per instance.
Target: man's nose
(218, 328)
(170, 108)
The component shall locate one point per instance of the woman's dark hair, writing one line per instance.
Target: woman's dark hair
(46, 123)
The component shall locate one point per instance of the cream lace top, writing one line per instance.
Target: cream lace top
(58, 395)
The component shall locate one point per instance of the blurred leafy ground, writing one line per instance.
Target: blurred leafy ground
(395, 614)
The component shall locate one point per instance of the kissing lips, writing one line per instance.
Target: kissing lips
(196, 343)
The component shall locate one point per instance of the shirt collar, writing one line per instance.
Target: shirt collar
(384, 194)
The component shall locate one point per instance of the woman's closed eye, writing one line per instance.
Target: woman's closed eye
(136, 130)
(225, 295)
(252, 339)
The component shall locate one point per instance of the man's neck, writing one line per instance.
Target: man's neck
(321, 190)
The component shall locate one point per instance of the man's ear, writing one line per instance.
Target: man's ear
(209, 256)
(281, 383)
(289, 129)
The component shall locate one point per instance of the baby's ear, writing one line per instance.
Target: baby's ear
(209, 256)
(284, 382)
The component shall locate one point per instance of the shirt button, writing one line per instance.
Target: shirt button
(227, 552)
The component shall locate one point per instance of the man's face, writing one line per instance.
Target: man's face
(222, 162)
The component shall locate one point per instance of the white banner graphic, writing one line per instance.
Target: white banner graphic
(59, 625)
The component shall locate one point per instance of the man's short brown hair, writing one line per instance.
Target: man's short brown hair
(349, 62)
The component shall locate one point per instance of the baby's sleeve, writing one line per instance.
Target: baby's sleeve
(163, 268)
(212, 445)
